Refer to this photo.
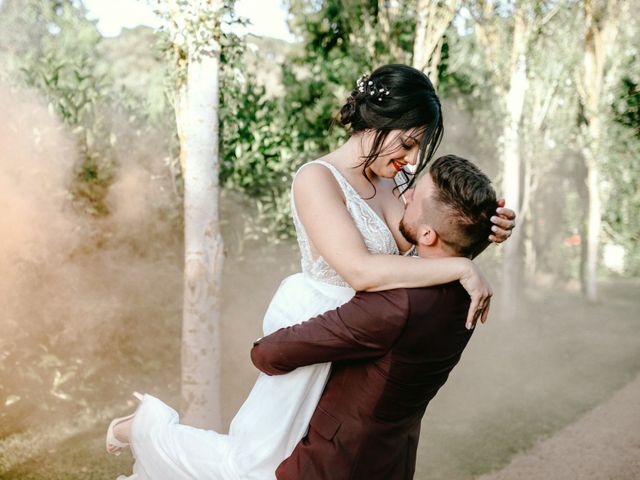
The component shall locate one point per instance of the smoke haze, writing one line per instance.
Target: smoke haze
(91, 310)
(77, 290)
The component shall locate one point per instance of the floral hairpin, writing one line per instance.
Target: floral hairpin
(369, 87)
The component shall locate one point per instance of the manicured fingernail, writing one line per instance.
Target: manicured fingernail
(494, 218)
(469, 327)
(499, 209)
(494, 229)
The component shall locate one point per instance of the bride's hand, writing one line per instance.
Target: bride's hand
(503, 223)
(478, 288)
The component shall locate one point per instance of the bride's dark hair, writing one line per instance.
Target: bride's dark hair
(411, 102)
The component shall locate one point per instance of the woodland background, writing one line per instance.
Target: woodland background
(542, 95)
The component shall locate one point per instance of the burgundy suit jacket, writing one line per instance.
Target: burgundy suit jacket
(391, 352)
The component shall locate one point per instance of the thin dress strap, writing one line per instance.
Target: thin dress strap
(375, 233)
(345, 186)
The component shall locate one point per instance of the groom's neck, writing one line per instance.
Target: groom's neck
(426, 251)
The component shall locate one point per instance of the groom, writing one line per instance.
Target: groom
(391, 350)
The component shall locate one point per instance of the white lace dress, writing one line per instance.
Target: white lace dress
(276, 414)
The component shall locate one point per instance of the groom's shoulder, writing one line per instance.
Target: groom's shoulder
(437, 295)
(395, 300)
(399, 303)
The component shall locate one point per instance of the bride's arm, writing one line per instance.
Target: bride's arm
(322, 210)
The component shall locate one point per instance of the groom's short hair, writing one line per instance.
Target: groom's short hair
(464, 201)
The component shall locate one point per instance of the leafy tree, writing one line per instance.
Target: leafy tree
(622, 213)
(54, 47)
(626, 107)
(601, 25)
(433, 21)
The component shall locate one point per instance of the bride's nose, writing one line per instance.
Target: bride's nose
(412, 157)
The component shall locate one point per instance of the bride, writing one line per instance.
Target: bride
(346, 209)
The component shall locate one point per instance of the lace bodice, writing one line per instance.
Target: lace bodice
(375, 233)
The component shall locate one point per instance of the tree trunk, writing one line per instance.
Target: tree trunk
(593, 228)
(433, 19)
(197, 117)
(387, 13)
(203, 248)
(600, 19)
(512, 162)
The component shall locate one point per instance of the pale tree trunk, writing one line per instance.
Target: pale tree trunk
(366, 38)
(542, 104)
(432, 20)
(388, 11)
(594, 222)
(529, 187)
(512, 159)
(197, 117)
(601, 19)
(509, 83)
(180, 109)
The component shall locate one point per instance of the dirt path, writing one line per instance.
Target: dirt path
(603, 444)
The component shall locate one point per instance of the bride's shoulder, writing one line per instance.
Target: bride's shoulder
(314, 175)
(315, 182)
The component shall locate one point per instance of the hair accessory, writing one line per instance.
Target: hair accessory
(367, 86)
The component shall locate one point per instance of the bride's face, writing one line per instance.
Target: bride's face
(400, 148)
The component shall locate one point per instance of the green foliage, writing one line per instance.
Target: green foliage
(621, 189)
(264, 140)
(195, 29)
(74, 90)
(626, 107)
(62, 65)
(621, 213)
(452, 83)
(257, 156)
(73, 85)
(104, 99)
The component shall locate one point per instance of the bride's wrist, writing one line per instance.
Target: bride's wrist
(465, 267)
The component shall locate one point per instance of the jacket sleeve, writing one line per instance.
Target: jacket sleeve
(365, 327)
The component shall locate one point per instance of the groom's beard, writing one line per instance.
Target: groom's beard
(408, 235)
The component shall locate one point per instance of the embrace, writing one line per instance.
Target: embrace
(359, 342)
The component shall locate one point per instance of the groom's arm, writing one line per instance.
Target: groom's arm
(366, 326)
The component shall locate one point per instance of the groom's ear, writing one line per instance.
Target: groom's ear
(426, 236)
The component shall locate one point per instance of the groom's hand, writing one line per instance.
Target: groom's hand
(503, 223)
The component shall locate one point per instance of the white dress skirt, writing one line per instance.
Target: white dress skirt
(276, 415)
(267, 427)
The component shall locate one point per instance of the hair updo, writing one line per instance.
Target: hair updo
(395, 97)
